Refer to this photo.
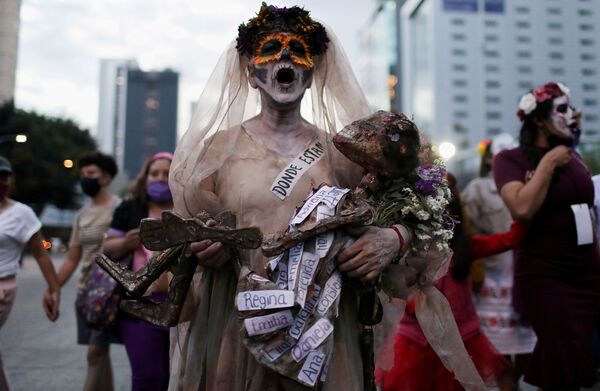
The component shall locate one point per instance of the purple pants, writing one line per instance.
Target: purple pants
(147, 347)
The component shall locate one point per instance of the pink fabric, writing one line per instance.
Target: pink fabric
(8, 291)
(140, 256)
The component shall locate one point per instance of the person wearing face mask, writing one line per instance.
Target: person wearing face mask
(557, 266)
(96, 171)
(20, 230)
(147, 345)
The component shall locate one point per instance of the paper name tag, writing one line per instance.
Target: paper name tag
(273, 354)
(282, 276)
(309, 374)
(268, 323)
(583, 223)
(331, 291)
(295, 255)
(287, 179)
(326, 367)
(323, 243)
(333, 196)
(262, 300)
(312, 338)
(310, 205)
(304, 313)
(324, 211)
(258, 278)
(272, 264)
(330, 267)
(308, 267)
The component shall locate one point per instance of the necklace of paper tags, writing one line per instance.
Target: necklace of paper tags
(287, 320)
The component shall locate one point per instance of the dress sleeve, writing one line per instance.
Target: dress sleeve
(485, 245)
(30, 224)
(507, 168)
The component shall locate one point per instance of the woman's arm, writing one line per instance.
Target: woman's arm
(52, 298)
(210, 253)
(525, 199)
(69, 265)
(373, 251)
(482, 246)
(118, 247)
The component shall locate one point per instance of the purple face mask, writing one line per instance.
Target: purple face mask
(159, 192)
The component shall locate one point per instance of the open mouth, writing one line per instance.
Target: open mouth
(285, 76)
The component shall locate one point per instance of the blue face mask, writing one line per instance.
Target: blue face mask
(159, 192)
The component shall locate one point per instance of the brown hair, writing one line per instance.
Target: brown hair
(138, 187)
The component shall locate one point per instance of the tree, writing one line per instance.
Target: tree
(40, 175)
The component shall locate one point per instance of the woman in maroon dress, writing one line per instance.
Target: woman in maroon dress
(557, 271)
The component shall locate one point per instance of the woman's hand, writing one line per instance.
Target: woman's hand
(524, 199)
(210, 254)
(370, 254)
(51, 304)
(132, 239)
(557, 156)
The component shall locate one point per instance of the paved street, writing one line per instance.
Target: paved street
(41, 355)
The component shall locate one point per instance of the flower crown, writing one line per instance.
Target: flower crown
(271, 19)
(483, 146)
(540, 94)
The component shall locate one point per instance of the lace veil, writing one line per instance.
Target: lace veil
(334, 100)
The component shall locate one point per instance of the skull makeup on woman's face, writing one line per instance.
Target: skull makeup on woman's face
(274, 47)
(282, 67)
(563, 117)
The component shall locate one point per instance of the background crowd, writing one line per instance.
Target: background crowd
(523, 284)
(530, 311)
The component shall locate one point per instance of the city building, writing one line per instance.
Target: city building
(9, 40)
(137, 113)
(380, 56)
(466, 63)
(111, 108)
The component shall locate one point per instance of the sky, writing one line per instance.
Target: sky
(61, 43)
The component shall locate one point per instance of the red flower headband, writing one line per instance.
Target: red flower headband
(540, 94)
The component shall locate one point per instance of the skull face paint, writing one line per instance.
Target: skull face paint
(563, 118)
(282, 82)
(281, 46)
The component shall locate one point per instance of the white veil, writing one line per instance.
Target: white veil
(335, 100)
